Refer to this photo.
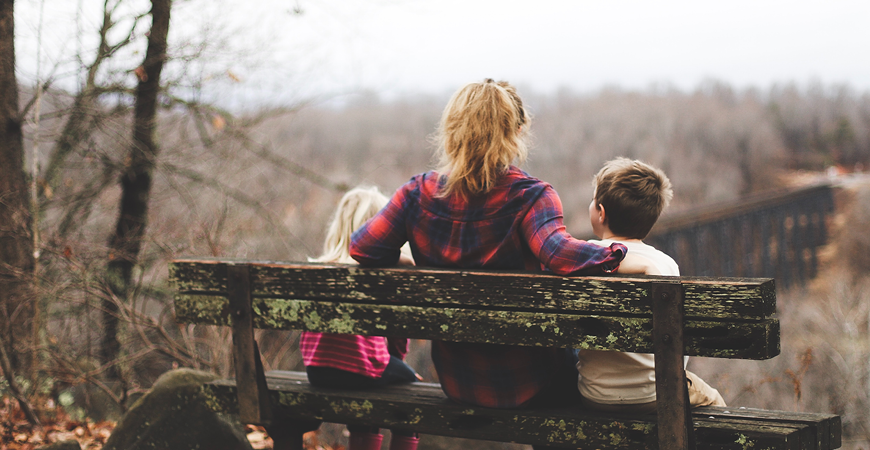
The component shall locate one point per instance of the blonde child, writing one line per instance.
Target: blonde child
(629, 197)
(350, 361)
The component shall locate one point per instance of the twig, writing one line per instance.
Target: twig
(13, 386)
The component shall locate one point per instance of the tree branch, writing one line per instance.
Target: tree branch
(13, 386)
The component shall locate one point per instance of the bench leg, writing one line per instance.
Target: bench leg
(675, 427)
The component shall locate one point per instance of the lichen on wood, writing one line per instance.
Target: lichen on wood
(743, 299)
(713, 338)
(423, 407)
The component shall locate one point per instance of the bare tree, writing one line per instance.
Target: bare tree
(125, 243)
(16, 246)
(84, 114)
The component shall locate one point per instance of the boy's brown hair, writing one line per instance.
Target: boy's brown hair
(633, 194)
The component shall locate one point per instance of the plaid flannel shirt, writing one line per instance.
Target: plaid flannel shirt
(518, 225)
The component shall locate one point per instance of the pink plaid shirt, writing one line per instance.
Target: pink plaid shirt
(365, 355)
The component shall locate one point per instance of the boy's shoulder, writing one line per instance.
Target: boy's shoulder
(663, 262)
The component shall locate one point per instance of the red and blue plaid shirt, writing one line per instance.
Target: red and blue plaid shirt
(518, 225)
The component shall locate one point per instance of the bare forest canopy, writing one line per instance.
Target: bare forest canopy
(264, 184)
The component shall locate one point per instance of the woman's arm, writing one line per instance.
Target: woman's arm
(544, 230)
(378, 242)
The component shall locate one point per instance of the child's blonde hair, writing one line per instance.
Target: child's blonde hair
(356, 207)
(633, 194)
(480, 135)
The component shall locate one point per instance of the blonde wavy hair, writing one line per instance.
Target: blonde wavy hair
(356, 207)
(482, 132)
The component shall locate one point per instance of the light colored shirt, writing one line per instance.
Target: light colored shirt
(611, 377)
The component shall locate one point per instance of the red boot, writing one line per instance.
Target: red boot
(365, 441)
(403, 443)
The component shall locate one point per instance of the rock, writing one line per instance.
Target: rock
(174, 416)
(71, 444)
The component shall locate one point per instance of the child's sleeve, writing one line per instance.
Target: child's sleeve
(378, 242)
(544, 230)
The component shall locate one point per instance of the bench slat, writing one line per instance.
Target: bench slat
(423, 407)
(736, 339)
(725, 298)
(827, 427)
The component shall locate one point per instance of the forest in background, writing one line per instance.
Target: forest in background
(262, 183)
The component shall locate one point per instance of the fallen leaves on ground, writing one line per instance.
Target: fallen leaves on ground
(259, 439)
(17, 434)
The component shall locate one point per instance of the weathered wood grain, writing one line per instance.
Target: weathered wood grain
(827, 428)
(734, 339)
(675, 429)
(423, 407)
(726, 298)
(253, 397)
(724, 318)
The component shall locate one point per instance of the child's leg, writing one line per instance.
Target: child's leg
(701, 393)
(403, 440)
(397, 372)
(364, 438)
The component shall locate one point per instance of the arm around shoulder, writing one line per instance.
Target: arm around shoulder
(378, 242)
(544, 230)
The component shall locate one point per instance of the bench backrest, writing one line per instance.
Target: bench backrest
(724, 317)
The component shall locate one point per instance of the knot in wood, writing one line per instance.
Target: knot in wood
(666, 339)
(666, 296)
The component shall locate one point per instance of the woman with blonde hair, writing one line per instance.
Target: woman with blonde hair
(351, 361)
(478, 210)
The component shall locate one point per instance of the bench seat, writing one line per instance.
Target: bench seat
(424, 408)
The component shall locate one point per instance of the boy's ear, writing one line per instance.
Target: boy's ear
(602, 215)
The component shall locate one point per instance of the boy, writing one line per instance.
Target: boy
(629, 196)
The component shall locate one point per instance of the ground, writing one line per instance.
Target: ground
(17, 434)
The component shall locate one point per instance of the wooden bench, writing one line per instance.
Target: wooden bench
(714, 317)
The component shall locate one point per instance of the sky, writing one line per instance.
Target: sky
(396, 47)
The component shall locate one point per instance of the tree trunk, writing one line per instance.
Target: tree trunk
(126, 242)
(16, 246)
